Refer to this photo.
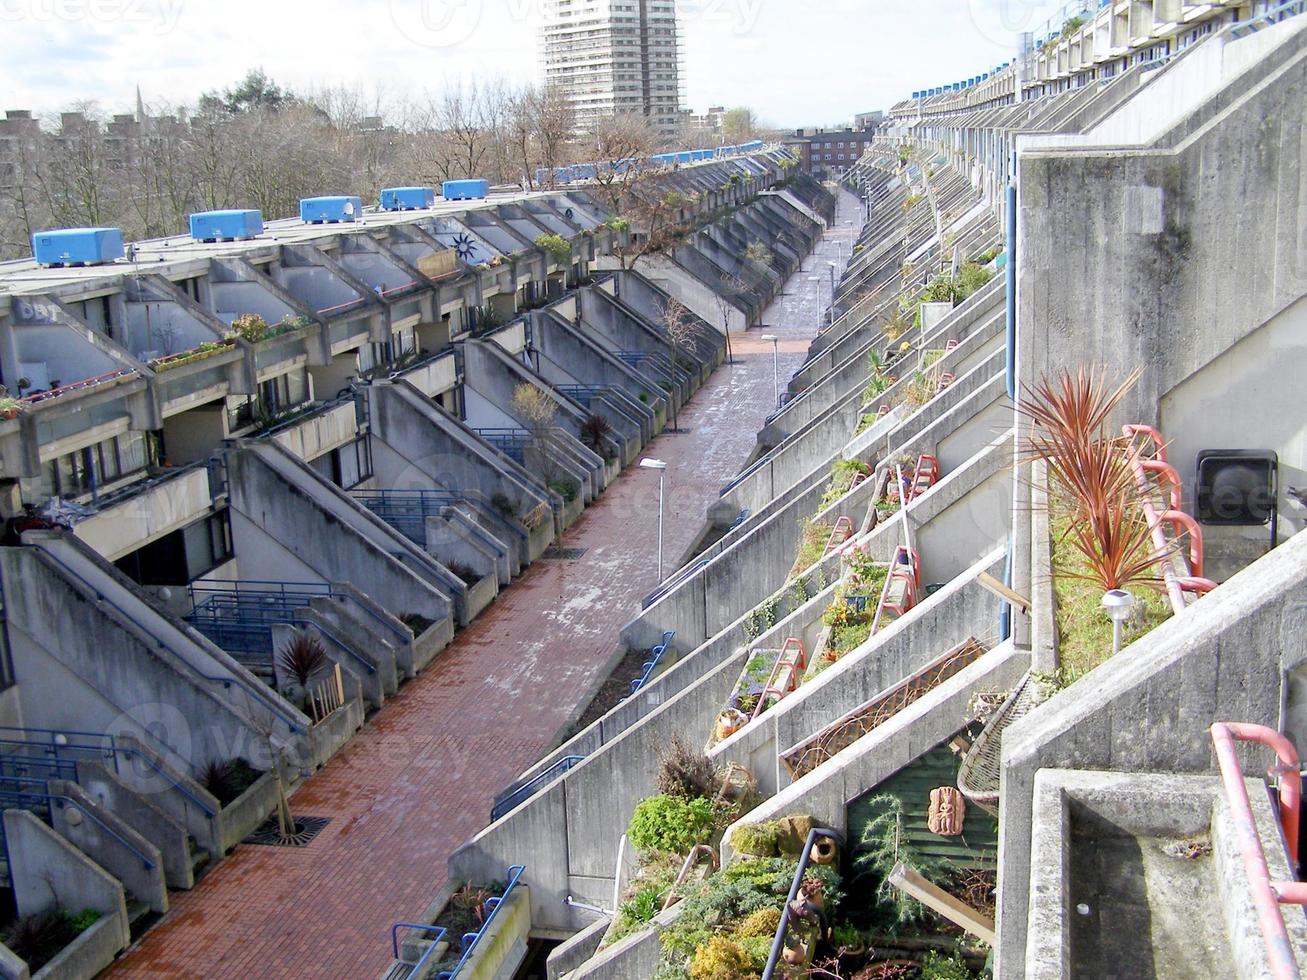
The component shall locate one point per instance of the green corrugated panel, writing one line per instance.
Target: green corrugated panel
(977, 847)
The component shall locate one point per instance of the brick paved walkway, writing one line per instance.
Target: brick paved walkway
(419, 779)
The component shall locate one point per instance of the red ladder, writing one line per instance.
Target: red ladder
(925, 476)
(793, 659)
(841, 533)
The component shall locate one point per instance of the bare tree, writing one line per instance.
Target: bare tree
(623, 144)
(678, 321)
(537, 412)
(729, 287)
(554, 120)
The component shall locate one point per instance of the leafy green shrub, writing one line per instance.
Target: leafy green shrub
(642, 907)
(83, 920)
(567, 489)
(762, 923)
(504, 505)
(670, 823)
(557, 246)
(755, 839)
(721, 959)
(937, 966)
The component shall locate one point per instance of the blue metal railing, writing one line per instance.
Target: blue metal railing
(1265, 19)
(438, 932)
(651, 665)
(511, 442)
(778, 942)
(517, 797)
(407, 510)
(66, 747)
(317, 589)
(272, 701)
(744, 516)
(673, 583)
(13, 795)
(583, 394)
(471, 939)
(241, 622)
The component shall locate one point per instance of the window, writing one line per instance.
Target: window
(85, 471)
(184, 555)
(347, 466)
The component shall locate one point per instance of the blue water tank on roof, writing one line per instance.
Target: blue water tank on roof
(232, 225)
(407, 198)
(78, 246)
(330, 210)
(465, 190)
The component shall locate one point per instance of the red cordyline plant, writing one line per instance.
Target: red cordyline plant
(1069, 415)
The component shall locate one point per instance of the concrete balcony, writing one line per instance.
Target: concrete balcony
(145, 512)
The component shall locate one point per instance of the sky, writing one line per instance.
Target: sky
(795, 62)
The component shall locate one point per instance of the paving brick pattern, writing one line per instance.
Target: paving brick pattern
(420, 778)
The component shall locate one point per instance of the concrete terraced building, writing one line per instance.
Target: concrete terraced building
(613, 57)
(213, 451)
(1132, 194)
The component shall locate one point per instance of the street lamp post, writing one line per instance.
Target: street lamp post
(831, 269)
(661, 467)
(775, 363)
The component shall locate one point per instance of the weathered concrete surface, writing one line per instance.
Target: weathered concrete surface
(954, 614)
(1106, 880)
(1148, 709)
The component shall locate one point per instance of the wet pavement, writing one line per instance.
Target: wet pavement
(419, 780)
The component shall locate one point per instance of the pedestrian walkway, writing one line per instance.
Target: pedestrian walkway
(420, 779)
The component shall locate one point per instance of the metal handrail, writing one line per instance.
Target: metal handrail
(520, 795)
(113, 749)
(302, 621)
(649, 666)
(51, 798)
(99, 379)
(326, 590)
(276, 704)
(778, 942)
(1267, 17)
(471, 939)
(438, 931)
(1267, 895)
(676, 581)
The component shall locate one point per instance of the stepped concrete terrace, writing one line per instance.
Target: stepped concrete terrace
(421, 776)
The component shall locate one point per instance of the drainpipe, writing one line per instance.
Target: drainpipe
(1005, 608)
(1012, 289)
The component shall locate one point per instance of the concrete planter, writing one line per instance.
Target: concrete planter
(434, 639)
(329, 735)
(238, 820)
(88, 954)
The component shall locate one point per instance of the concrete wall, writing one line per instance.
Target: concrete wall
(961, 610)
(1252, 372)
(568, 833)
(48, 872)
(289, 504)
(1148, 709)
(424, 448)
(827, 791)
(123, 680)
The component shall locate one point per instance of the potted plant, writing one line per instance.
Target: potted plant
(8, 407)
(729, 722)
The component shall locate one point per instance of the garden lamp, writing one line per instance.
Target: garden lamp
(1119, 604)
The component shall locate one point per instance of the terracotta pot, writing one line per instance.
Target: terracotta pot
(824, 851)
(9, 413)
(795, 955)
(729, 722)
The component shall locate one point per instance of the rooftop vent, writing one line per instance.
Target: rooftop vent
(219, 226)
(78, 246)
